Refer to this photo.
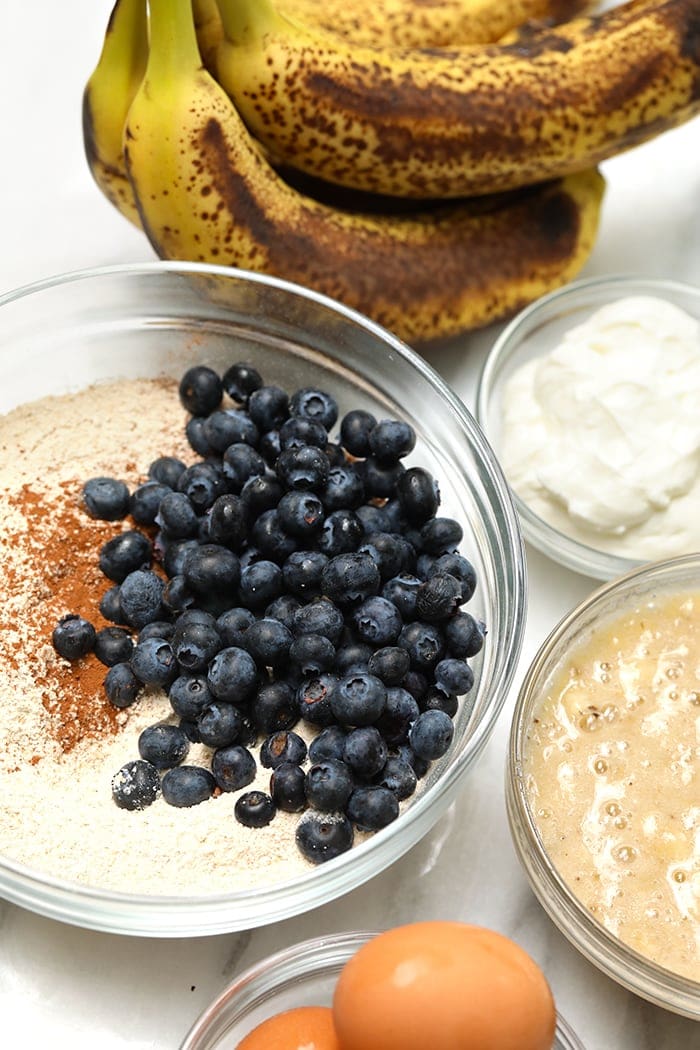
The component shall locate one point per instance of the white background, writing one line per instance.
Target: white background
(64, 987)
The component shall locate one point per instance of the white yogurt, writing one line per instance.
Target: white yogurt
(601, 436)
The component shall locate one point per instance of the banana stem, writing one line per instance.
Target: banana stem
(174, 48)
(126, 40)
(247, 20)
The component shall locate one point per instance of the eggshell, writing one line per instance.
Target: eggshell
(443, 986)
(305, 1028)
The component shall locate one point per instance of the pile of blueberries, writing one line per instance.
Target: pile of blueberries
(298, 579)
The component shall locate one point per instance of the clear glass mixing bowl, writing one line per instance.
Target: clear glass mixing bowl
(148, 320)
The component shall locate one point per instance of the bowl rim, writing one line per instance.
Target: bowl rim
(176, 916)
(331, 949)
(630, 968)
(551, 541)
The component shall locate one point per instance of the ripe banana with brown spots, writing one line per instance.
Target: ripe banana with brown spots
(462, 121)
(107, 97)
(206, 192)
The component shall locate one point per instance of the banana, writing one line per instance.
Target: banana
(206, 192)
(107, 97)
(462, 121)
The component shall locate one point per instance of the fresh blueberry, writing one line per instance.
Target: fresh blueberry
(125, 553)
(113, 645)
(462, 569)
(153, 662)
(399, 777)
(240, 463)
(372, 808)
(233, 767)
(200, 390)
(185, 786)
(358, 699)
(377, 621)
(166, 470)
(177, 517)
(189, 695)
(73, 637)
(284, 609)
(464, 635)
(328, 785)
(282, 746)
(254, 809)
(211, 570)
(402, 591)
(431, 734)
(390, 663)
(175, 553)
(194, 432)
(232, 675)
(438, 597)
(297, 432)
(268, 642)
(329, 743)
(269, 447)
(352, 657)
(287, 787)
(399, 714)
(268, 407)
(261, 494)
(341, 533)
(275, 707)
(303, 573)
(270, 537)
(380, 481)
(202, 483)
(121, 686)
(219, 724)
(240, 380)
(195, 615)
(260, 584)
(416, 683)
(233, 624)
(157, 629)
(441, 535)
(365, 752)
(318, 405)
(391, 439)
(163, 745)
(195, 645)
(420, 766)
(437, 700)
(145, 502)
(106, 498)
(323, 836)
(136, 785)
(314, 699)
(344, 489)
(301, 514)
(355, 428)
(373, 518)
(391, 553)
(424, 644)
(141, 598)
(350, 578)
(303, 468)
(454, 676)
(230, 426)
(312, 653)
(418, 495)
(336, 454)
(110, 606)
(320, 616)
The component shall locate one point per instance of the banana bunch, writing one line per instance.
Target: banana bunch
(170, 149)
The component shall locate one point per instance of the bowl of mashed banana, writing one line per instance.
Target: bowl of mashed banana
(602, 780)
(589, 398)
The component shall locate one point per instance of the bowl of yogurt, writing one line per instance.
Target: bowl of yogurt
(602, 782)
(589, 398)
(91, 365)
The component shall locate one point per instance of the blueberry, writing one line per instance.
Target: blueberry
(391, 440)
(195, 615)
(454, 676)
(329, 743)
(163, 745)
(396, 554)
(399, 777)
(402, 591)
(390, 663)
(141, 598)
(320, 616)
(284, 609)
(353, 657)
(153, 662)
(350, 578)
(254, 809)
(437, 700)
(358, 699)
(175, 553)
(343, 489)
(73, 637)
(194, 432)
(282, 746)
(287, 787)
(185, 786)
(200, 390)
(145, 502)
(211, 570)
(136, 785)
(323, 836)
(312, 653)
(219, 724)
(189, 695)
(301, 514)
(125, 553)
(297, 432)
(318, 405)
(373, 518)
(431, 734)
(416, 683)
(229, 426)
(418, 495)
(177, 517)
(268, 407)
(261, 494)
(241, 463)
(201, 483)
(268, 642)
(232, 675)
(303, 468)
(328, 785)
(275, 707)
(365, 751)
(377, 621)
(341, 533)
(195, 645)
(106, 498)
(372, 808)
(424, 644)
(233, 767)
(240, 380)
(166, 470)
(438, 597)
(269, 447)
(232, 625)
(303, 572)
(355, 428)
(420, 766)
(399, 714)
(464, 635)
(270, 537)
(441, 535)
(380, 481)
(314, 699)
(462, 569)
(157, 629)
(121, 686)
(260, 584)
(113, 645)
(336, 454)
(110, 606)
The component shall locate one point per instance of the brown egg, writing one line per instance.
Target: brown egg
(305, 1028)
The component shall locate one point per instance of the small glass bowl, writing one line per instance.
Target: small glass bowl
(157, 319)
(625, 965)
(303, 975)
(536, 331)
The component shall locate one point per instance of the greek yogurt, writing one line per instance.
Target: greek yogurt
(601, 436)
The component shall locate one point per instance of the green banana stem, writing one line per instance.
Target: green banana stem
(174, 49)
(246, 20)
(125, 47)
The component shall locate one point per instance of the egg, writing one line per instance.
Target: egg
(443, 986)
(304, 1028)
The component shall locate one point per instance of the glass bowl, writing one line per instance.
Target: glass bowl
(536, 331)
(157, 319)
(303, 975)
(624, 964)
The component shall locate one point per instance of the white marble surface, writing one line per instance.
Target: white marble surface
(66, 987)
